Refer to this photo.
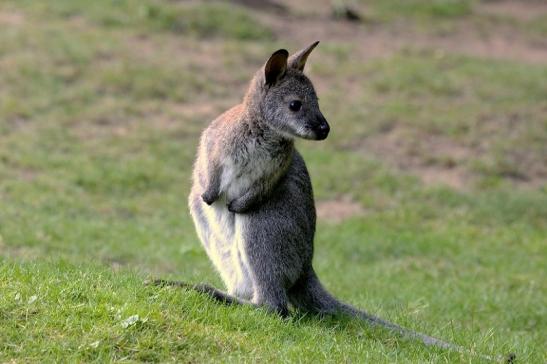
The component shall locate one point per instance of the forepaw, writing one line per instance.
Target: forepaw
(237, 206)
(209, 197)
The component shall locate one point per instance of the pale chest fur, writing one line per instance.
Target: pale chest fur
(249, 163)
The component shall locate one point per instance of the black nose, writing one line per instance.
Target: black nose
(322, 130)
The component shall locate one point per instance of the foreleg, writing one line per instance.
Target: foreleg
(212, 189)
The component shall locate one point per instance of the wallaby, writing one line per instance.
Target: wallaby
(252, 201)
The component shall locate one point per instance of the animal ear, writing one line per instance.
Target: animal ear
(298, 60)
(276, 66)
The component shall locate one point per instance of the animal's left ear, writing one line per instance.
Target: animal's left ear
(298, 60)
(276, 66)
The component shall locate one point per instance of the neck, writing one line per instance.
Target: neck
(262, 136)
(257, 126)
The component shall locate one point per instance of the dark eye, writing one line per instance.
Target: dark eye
(295, 105)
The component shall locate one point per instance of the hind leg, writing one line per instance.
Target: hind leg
(308, 295)
(217, 295)
(272, 297)
(206, 289)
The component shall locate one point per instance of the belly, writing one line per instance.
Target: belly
(221, 233)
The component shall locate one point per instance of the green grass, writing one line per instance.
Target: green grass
(101, 106)
(201, 20)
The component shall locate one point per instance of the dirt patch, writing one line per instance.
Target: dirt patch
(338, 210)
(504, 44)
(517, 9)
(452, 177)
(432, 158)
(11, 18)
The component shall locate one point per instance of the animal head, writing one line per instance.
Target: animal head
(286, 98)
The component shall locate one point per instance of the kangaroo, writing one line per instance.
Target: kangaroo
(252, 201)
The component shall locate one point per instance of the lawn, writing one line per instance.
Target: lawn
(431, 188)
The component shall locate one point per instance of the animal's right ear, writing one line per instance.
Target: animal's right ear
(276, 66)
(298, 60)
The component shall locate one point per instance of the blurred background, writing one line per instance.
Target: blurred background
(432, 183)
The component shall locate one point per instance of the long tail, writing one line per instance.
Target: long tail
(425, 339)
(377, 321)
(309, 293)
